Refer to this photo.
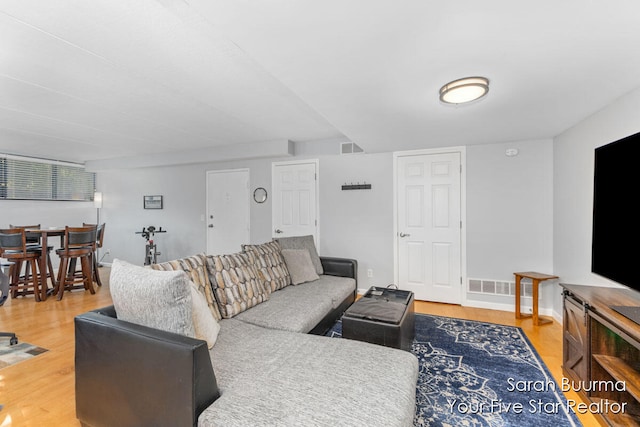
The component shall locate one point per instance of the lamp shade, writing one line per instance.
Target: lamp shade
(97, 199)
(464, 90)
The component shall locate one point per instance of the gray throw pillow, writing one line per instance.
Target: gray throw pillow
(157, 299)
(299, 265)
(302, 242)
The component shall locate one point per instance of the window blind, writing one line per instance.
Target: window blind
(41, 179)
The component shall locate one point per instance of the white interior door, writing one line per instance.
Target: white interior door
(429, 226)
(295, 201)
(227, 210)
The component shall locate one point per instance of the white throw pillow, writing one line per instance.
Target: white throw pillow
(300, 266)
(205, 325)
(157, 299)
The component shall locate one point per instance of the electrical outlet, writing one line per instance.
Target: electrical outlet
(370, 272)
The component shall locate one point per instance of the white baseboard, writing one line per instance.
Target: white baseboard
(549, 312)
(507, 307)
(557, 316)
(502, 307)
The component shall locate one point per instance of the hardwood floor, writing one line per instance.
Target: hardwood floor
(41, 391)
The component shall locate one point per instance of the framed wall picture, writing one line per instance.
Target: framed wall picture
(153, 202)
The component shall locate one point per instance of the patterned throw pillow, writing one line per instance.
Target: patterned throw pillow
(235, 283)
(195, 267)
(270, 265)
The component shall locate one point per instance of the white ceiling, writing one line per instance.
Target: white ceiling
(106, 79)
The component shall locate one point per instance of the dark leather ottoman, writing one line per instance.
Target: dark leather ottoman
(382, 316)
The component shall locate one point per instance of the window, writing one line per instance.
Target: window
(23, 178)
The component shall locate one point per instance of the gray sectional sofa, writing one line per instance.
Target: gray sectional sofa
(269, 366)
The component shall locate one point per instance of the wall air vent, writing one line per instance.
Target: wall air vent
(496, 287)
(350, 148)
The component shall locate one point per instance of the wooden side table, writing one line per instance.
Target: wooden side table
(536, 278)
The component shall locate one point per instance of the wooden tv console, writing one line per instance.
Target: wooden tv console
(601, 352)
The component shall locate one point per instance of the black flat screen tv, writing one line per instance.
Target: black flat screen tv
(615, 252)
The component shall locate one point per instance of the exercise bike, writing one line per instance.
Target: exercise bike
(151, 250)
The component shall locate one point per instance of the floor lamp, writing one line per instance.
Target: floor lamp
(97, 203)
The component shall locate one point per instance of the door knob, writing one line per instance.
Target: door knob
(278, 231)
(404, 235)
(210, 225)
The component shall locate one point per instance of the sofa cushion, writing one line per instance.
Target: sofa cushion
(302, 242)
(308, 380)
(204, 324)
(157, 299)
(300, 266)
(300, 308)
(195, 267)
(235, 283)
(335, 288)
(270, 265)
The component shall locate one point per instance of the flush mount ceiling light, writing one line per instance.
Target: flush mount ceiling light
(464, 90)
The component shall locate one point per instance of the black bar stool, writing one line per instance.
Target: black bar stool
(99, 242)
(79, 243)
(33, 241)
(13, 247)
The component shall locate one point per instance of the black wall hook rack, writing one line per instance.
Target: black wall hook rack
(356, 187)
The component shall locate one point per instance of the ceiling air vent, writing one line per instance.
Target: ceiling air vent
(350, 148)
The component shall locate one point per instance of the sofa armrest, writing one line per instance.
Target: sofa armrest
(342, 267)
(132, 375)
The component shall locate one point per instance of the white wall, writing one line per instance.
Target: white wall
(182, 188)
(359, 223)
(509, 215)
(509, 210)
(353, 224)
(573, 184)
(184, 197)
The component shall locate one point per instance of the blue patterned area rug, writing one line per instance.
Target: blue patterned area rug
(476, 374)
